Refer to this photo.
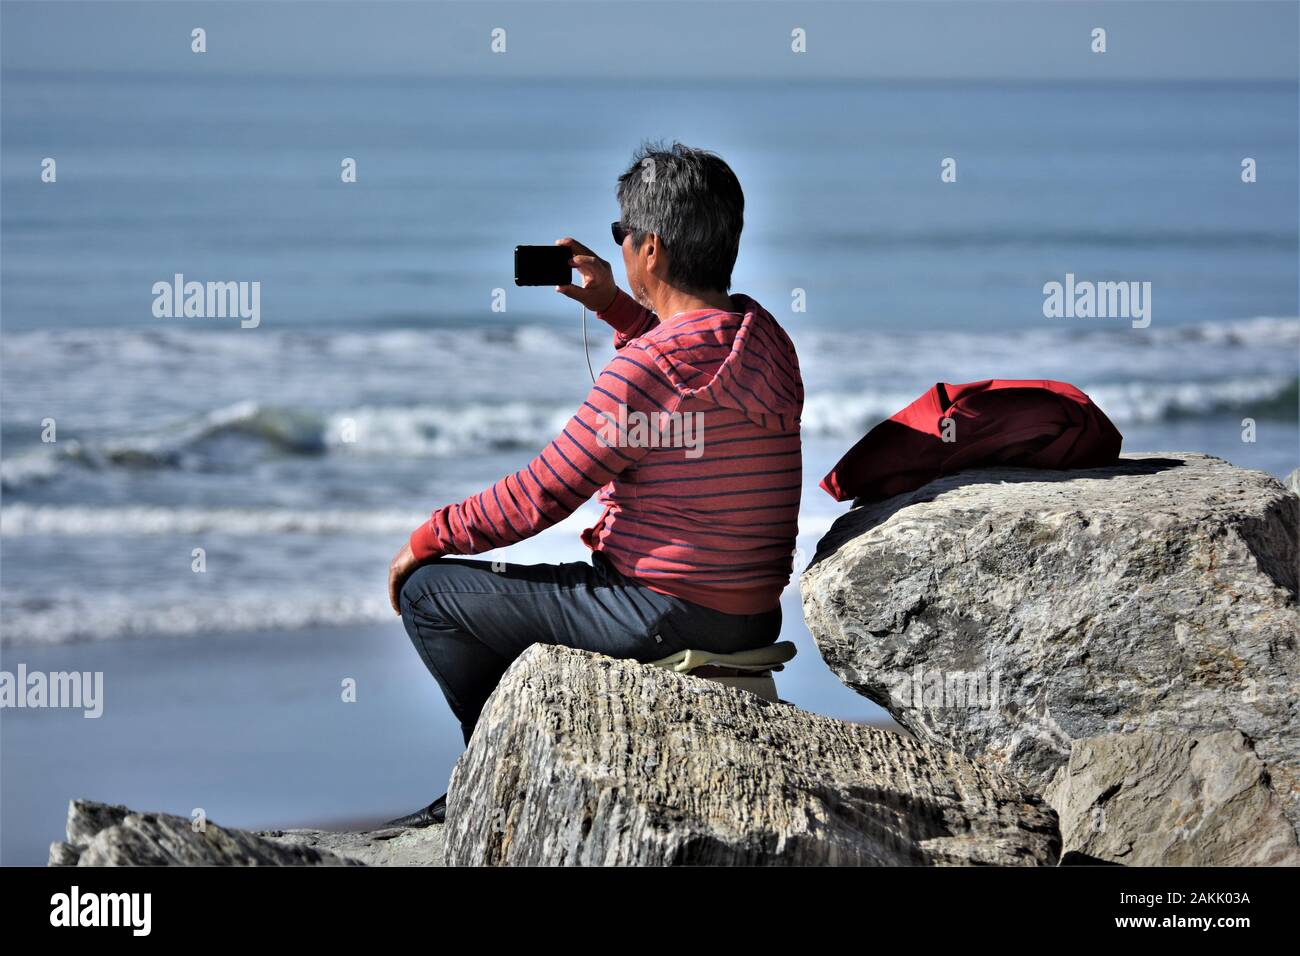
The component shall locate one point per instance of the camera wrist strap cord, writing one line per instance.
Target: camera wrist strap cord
(585, 350)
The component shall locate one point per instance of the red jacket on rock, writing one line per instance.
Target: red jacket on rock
(1031, 423)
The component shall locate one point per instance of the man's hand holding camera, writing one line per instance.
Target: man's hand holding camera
(598, 289)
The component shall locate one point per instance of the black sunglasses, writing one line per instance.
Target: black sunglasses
(620, 232)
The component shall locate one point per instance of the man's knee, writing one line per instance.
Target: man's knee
(421, 587)
(438, 591)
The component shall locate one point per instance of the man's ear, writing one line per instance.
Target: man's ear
(656, 261)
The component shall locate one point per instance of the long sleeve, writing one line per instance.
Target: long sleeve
(628, 317)
(590, 451)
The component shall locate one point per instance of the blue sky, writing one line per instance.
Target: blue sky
(664, 40)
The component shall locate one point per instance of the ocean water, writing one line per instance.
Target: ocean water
(380, 383)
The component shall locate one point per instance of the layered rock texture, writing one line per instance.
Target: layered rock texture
(584, 759)
(1008, 613)
(386, 846)
(103, 835)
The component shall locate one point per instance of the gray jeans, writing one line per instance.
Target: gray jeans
(469, 622)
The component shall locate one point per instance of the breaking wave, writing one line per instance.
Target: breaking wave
(248, 431)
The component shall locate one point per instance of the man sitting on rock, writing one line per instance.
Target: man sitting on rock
(695, 543)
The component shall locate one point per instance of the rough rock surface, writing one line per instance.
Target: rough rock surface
(1293, 481)
(580, 759)
(103, 835)
(386, 847)
(1147, 799)
(1158, 594)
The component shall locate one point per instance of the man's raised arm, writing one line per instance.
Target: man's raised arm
(587, 454)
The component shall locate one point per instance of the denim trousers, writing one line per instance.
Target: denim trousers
(468, 622)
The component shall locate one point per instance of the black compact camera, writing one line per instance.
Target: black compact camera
(543, 265)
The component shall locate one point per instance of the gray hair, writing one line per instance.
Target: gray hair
(692, 201)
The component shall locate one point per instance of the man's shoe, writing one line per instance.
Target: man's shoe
(435, 812)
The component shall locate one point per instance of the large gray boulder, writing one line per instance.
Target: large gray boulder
(582, 759)
(1006, 613)
(1147, 799)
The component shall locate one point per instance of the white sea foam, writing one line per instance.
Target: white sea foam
(70, 619)
(20, 520)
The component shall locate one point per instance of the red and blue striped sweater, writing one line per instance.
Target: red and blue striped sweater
(690, 437)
